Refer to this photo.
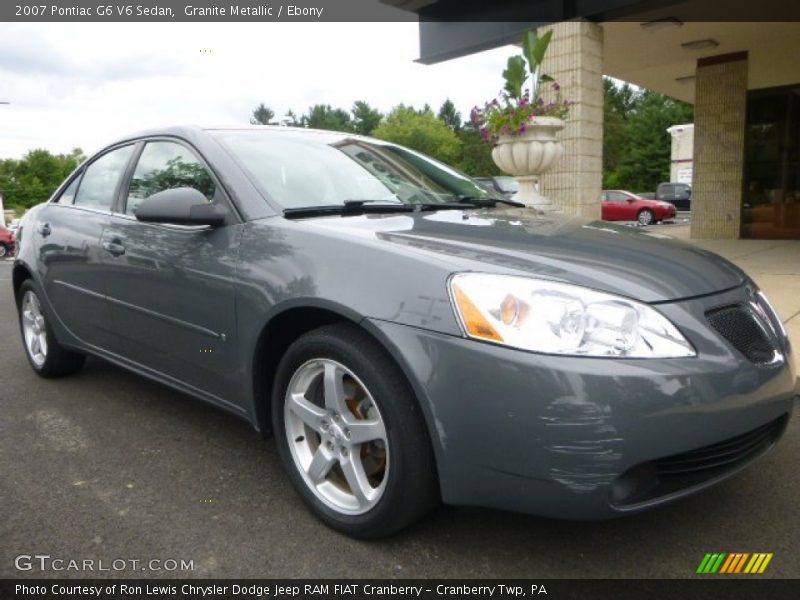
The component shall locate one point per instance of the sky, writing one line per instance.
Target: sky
(85, 84)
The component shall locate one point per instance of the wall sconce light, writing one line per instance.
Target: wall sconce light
(658, 24)
(700, 44)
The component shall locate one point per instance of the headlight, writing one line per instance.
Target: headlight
(558, 318)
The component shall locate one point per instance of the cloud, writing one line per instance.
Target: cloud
(29, 54)
(85, 84)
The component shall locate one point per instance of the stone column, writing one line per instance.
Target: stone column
(575, 60)
(719, 126)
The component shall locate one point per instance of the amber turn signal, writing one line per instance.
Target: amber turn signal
(474, 322)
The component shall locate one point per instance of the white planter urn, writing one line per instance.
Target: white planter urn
(528, 155)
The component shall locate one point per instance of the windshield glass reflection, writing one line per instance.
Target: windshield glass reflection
(299, 170)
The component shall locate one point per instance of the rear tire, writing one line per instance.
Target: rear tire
(46, 356)
(350, 433)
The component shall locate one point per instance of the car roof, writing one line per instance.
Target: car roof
(193, 131)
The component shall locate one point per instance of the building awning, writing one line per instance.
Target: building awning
(652, 43)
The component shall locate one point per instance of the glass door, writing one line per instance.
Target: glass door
(771, 198)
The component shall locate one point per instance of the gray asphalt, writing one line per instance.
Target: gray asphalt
(107, 465)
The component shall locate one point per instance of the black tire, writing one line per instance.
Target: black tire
(646, 217)
(58, 361)
(411, 487)
(3, 250)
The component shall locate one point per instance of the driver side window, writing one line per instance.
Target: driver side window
(163, 166)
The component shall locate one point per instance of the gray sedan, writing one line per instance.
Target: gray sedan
(408, 336)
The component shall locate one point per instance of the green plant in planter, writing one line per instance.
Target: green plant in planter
(513, 110)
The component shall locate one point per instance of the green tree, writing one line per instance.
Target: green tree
(323, 116)
(450, 116)
(475, 155)
(33, 178)
(619, 103)
(420, 130)
(365, 118)
(636, 145)
(646, 158)
(292, 120)
(262, 115)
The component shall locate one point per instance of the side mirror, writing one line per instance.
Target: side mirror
(179, 206)
(629, 200)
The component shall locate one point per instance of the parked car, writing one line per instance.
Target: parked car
(406, 336)
(508, 186)
(620, 205)
(7, 242)
(13, 226)
(679, 194)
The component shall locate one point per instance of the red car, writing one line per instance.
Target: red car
(619, 205)
(6, 242)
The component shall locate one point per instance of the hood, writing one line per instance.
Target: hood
(649, 267)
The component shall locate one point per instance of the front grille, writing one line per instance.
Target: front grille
(731, 451)
(677, 474)
(739, 326)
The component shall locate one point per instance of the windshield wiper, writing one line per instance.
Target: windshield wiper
(416, 206)
(442, 206)
(358, 203)
(478, 201)
(349, 207)
(360, 207)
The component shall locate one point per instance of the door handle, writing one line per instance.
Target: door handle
(44, 229)
(115, 248)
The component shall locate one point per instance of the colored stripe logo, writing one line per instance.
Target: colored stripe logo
(734, 562)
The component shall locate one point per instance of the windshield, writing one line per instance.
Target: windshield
(296, 170)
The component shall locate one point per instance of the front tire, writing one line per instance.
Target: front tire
(3, 251)
(46, 356)
(646, 217)
(350, 433)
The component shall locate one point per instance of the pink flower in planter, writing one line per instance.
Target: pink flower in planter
(513, 110)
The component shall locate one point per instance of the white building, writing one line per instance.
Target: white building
(682, 166)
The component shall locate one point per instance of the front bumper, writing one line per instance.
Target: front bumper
(579, 438)
(668, 213)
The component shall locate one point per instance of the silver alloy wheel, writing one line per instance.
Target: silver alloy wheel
(3, 250)
(646, 217)
(34, 329)
(337, 436)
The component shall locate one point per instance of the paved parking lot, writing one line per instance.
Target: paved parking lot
(106, 465)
